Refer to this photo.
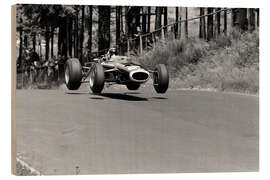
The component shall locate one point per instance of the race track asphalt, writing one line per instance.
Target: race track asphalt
(120, 131)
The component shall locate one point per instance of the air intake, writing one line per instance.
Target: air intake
(139, 76)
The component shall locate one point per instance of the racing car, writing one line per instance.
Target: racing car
(113, 69)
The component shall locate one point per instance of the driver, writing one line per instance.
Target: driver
(111, 52)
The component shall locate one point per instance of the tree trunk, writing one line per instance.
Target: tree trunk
(39, 44)
(60, 39)
(21, 43)
(218, 21)
(233, 18)
(149, 19)
(82, 35)
(118, 25)
(210, 24)
(180, 24)
(242, 19)
(165, 18)
(202, 24)
(25, 41)
(132, 20)
(76, 36)
(126, 21)
(47, 41)
(70, 36)
(104, 13)
(258, 17)
(176, 22)
(186, 22)
(64, 37)
(158, 20)
(137, 14)
(144, 18)
(34, 41)
(52, 39)
(225, 22)
(121, 21)
(251, 19)
(67, 35)
(89, 44)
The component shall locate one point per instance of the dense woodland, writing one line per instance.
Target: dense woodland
(88, 31)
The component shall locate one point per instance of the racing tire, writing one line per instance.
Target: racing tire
(133, 86)
(161, 78)
(73, 74)
(96, 79)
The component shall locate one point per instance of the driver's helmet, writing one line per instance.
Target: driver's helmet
(112, 51)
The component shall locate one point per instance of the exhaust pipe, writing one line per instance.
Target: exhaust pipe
(139, 76)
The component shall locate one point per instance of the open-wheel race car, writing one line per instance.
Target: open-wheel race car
(114, 70)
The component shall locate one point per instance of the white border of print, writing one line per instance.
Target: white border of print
(5, 71)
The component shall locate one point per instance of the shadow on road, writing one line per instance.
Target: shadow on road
(96, 98)
(77, 93)
(125, 97)
(159, 98)
(132, 93)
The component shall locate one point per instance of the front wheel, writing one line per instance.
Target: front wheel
(73, 74)
(96, 79)
(161, 78)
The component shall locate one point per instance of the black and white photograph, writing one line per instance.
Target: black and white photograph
(111, 89)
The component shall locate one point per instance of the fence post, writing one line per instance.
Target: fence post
(141, 44)
(128, 48)
(179, 27)
(154, 39)
(162, 34)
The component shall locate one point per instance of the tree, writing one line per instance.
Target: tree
(82, 34)
(118, 24)
(225, 22)
(89, 44)
(233, 17)
(186, 22)
(202, 24)
(258, 16)
(210, 26)
(132, 20)
(251, 19)
(69, 24)
(158, 19)
(176, 22)
(242, 19)
(47, 41)
(76, 30)
(144, 18)
(218, 20)
(239, 18)
(149, 19)
(165, 18)
(52, 41)
(104, 13)
(34, 41)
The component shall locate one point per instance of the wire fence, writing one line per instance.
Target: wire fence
(148, 40)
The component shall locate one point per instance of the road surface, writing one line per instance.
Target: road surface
(74, 132)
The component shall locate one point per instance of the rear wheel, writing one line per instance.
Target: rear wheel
(73, 74)
(161, 78)
(96, 79)
(133, 86)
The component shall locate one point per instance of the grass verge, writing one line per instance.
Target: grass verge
(227, 63)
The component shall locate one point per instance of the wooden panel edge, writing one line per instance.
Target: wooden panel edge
(13, 89)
